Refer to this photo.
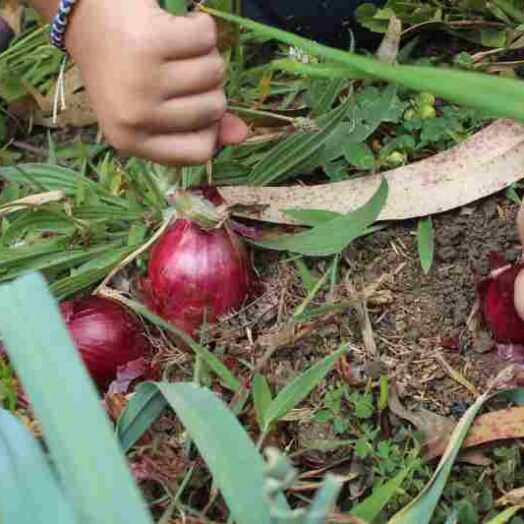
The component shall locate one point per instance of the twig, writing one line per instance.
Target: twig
(127, 260)
(455, 375)
(29, 148)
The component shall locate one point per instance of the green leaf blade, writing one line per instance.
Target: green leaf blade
(65, 401)
(296, 149)
(30, 491)
(371, 507)
(426, 243)
(236, 466)
(261, 398)
(148, 403)
(420, 510)
(297, 390)
(499, 97)
(330, 238)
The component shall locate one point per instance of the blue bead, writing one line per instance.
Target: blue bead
(59, 23)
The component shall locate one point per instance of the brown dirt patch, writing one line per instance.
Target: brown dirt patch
(410, 312)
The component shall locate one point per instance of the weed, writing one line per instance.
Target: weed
(8, 393)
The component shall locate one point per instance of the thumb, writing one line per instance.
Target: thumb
(232, 130)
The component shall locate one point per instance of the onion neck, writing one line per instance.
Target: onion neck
(198, 210)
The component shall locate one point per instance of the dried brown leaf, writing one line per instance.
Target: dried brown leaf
(436, 430)
(77, 113)
(388, 50)
(506, 424)
(486, 163)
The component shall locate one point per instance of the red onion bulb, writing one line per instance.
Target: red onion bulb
(497, 302)
(106, 334)
(197, 275)
(6, 34)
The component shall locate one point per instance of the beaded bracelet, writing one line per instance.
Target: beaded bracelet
(59, 24)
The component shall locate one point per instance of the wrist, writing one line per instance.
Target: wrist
(76, 23)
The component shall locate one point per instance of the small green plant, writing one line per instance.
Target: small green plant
(8, 393)
(88, 472)
(352, 415)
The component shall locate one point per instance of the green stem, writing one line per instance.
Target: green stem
(175, 7)
(258, 112)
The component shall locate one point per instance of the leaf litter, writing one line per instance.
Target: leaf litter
(408, 314)
(486, 163)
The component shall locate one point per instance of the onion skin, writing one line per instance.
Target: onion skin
(106, 334)
(6, 34)
(496, 294)
(197, 275)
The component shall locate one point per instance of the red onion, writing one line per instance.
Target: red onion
(197, 274)
(496, 294)
(6, 34)
(106, 334)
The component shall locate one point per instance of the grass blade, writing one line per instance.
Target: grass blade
(420, 510)
(237, 468)
(500, 97)
(322, 94)
(505, 516)
(371, 507)
(297, 149)
(219, 368)
(29, 492)
(331, 237)
(261, 398)
(426, 243)
(88, 459)
(452, 517)
(297, 390)
(50, 177)
(135, 420)
(313, 292)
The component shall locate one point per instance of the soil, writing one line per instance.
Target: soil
(426, 310)
(411, 314)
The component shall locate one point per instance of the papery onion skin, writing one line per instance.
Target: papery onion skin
(498, 306)
(106, 334)
(6, 34)
(197, 275)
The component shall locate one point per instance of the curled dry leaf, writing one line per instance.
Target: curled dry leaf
(129, 373)
(505, 424)
(435, 429)
(114, 405)
(486, 163)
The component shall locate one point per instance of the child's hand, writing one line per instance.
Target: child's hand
(519, 282)
(154, 80)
